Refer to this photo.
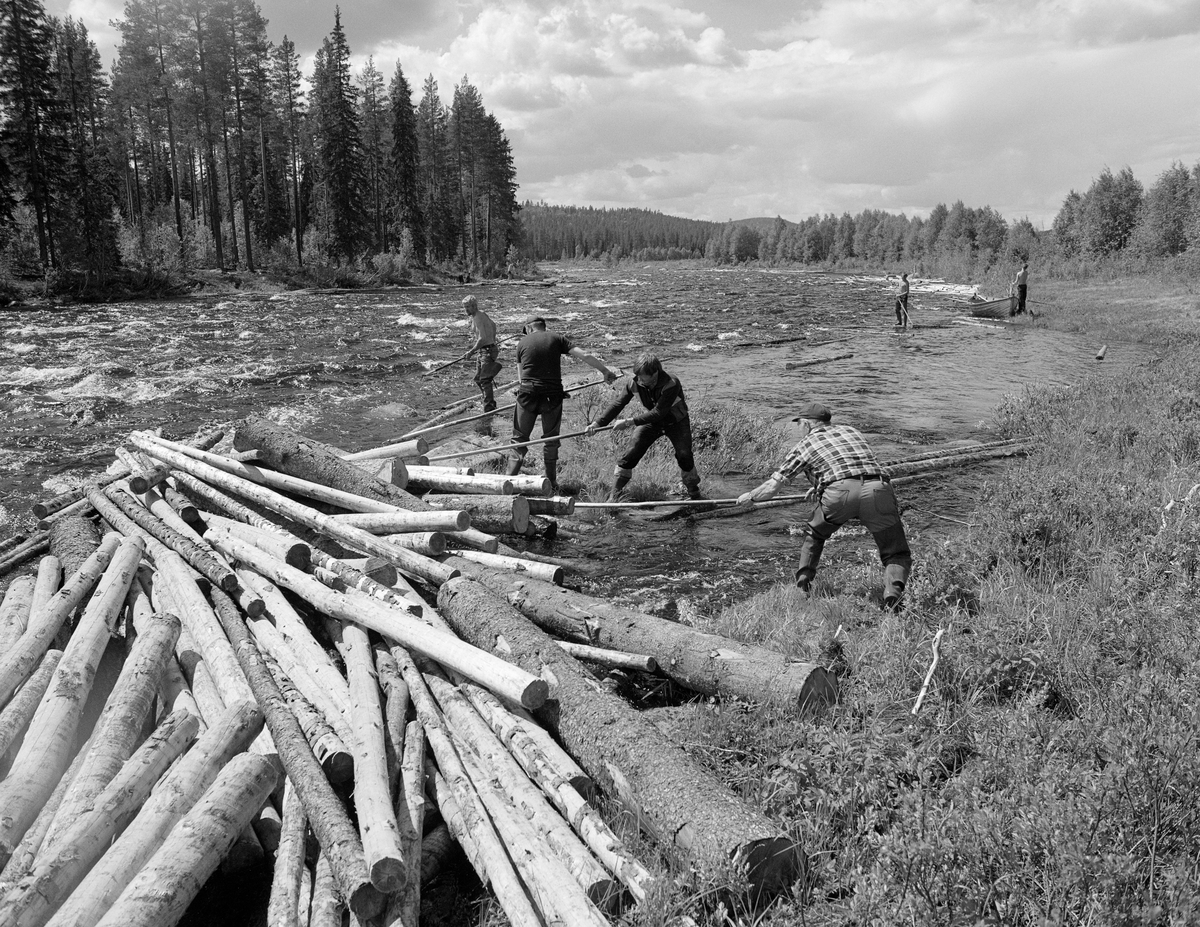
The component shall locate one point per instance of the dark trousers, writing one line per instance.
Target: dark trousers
(901, 309)
(528, 409)
(680, 435)
(1022, 293)
(873, 503)
(485, 373)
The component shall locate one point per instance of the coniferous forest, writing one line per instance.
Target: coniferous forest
(207, 147)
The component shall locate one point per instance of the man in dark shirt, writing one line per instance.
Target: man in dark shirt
(540, 393)
(848, 482)
(666, 414)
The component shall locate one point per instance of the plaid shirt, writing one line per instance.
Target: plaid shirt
(830, 453)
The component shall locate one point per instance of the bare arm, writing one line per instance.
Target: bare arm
(609, 374)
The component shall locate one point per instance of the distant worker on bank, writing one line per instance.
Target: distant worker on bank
(902, 302)
(540, 393)
(1021, 282)
(848, 483)
(487, 364)
(666, 413)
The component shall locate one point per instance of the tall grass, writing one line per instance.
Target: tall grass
(1053, 772)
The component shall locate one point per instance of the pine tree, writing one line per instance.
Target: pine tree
(289, 100)
(466, 133)
(435, 181)
(34, 130)
(339, 147)
(404, 199)
(502, 226)
(373, 124)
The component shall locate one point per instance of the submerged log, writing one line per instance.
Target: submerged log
(497, 514)
(705, 663)
(674, 798)
(171, 879)
(178, 791)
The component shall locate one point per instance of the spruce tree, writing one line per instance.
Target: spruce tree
(373, 124)
(34, 128)
(404, 197)
(289, 102)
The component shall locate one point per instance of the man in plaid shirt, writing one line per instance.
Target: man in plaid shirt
(848, 483)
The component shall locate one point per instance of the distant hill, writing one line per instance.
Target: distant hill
(555, 232)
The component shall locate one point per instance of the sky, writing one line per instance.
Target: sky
(727, 109)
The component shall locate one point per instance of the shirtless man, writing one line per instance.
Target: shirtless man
(902, 302)
(485, 350)
(1021, 282)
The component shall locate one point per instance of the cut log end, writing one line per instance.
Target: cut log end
(299, 556)
(338, 767)
(772, 866)
(535, 694)
(388, 875)
(820, 690)
(366, 901)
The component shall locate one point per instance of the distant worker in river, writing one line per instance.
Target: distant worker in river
(540, 393)
(848, 482)
(486, 352)
(666, 413)
(902, 302)
(1021, 282)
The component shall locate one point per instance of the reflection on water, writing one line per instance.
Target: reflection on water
(349, 369)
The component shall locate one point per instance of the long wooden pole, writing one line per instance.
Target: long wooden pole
(508, 447)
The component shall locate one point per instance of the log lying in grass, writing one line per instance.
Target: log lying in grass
(19, 661)
(178, 791)
(171, 879)
(61, 864)
(612, 658)
(552, 505)
(672, 795)
(49, 744)
(496, 514)
(705, 663)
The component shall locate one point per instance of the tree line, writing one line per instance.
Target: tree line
(204, 148)
(580, 232)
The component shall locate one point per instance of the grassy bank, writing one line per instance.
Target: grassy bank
(1051, 775)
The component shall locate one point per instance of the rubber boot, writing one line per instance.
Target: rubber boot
(552, 474)
(619, 485)
(514, 466)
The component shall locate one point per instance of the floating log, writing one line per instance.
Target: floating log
(372, 793)
(612, 658)
(498, 514)
(284, 903)
(676, 799)
(227, 736)
(794, 365)
(19, 661)
(120, 727)
(404, 559)
(17, 712)
(334, 830)
(26, 550)
(411, 448)
(49, 744)
(174, 875)
(489, 671)
(552, 505)
(707, 663)
(61, 864)
(547, 572)
(396, 522)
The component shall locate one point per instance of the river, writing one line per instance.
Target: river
(347, 368)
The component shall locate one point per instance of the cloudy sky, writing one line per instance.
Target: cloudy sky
(719, 109)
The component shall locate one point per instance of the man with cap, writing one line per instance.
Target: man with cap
(848, 482)
(540, 393)
(484, 349)
(666, 413)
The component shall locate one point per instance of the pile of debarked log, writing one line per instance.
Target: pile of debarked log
(226, 655)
